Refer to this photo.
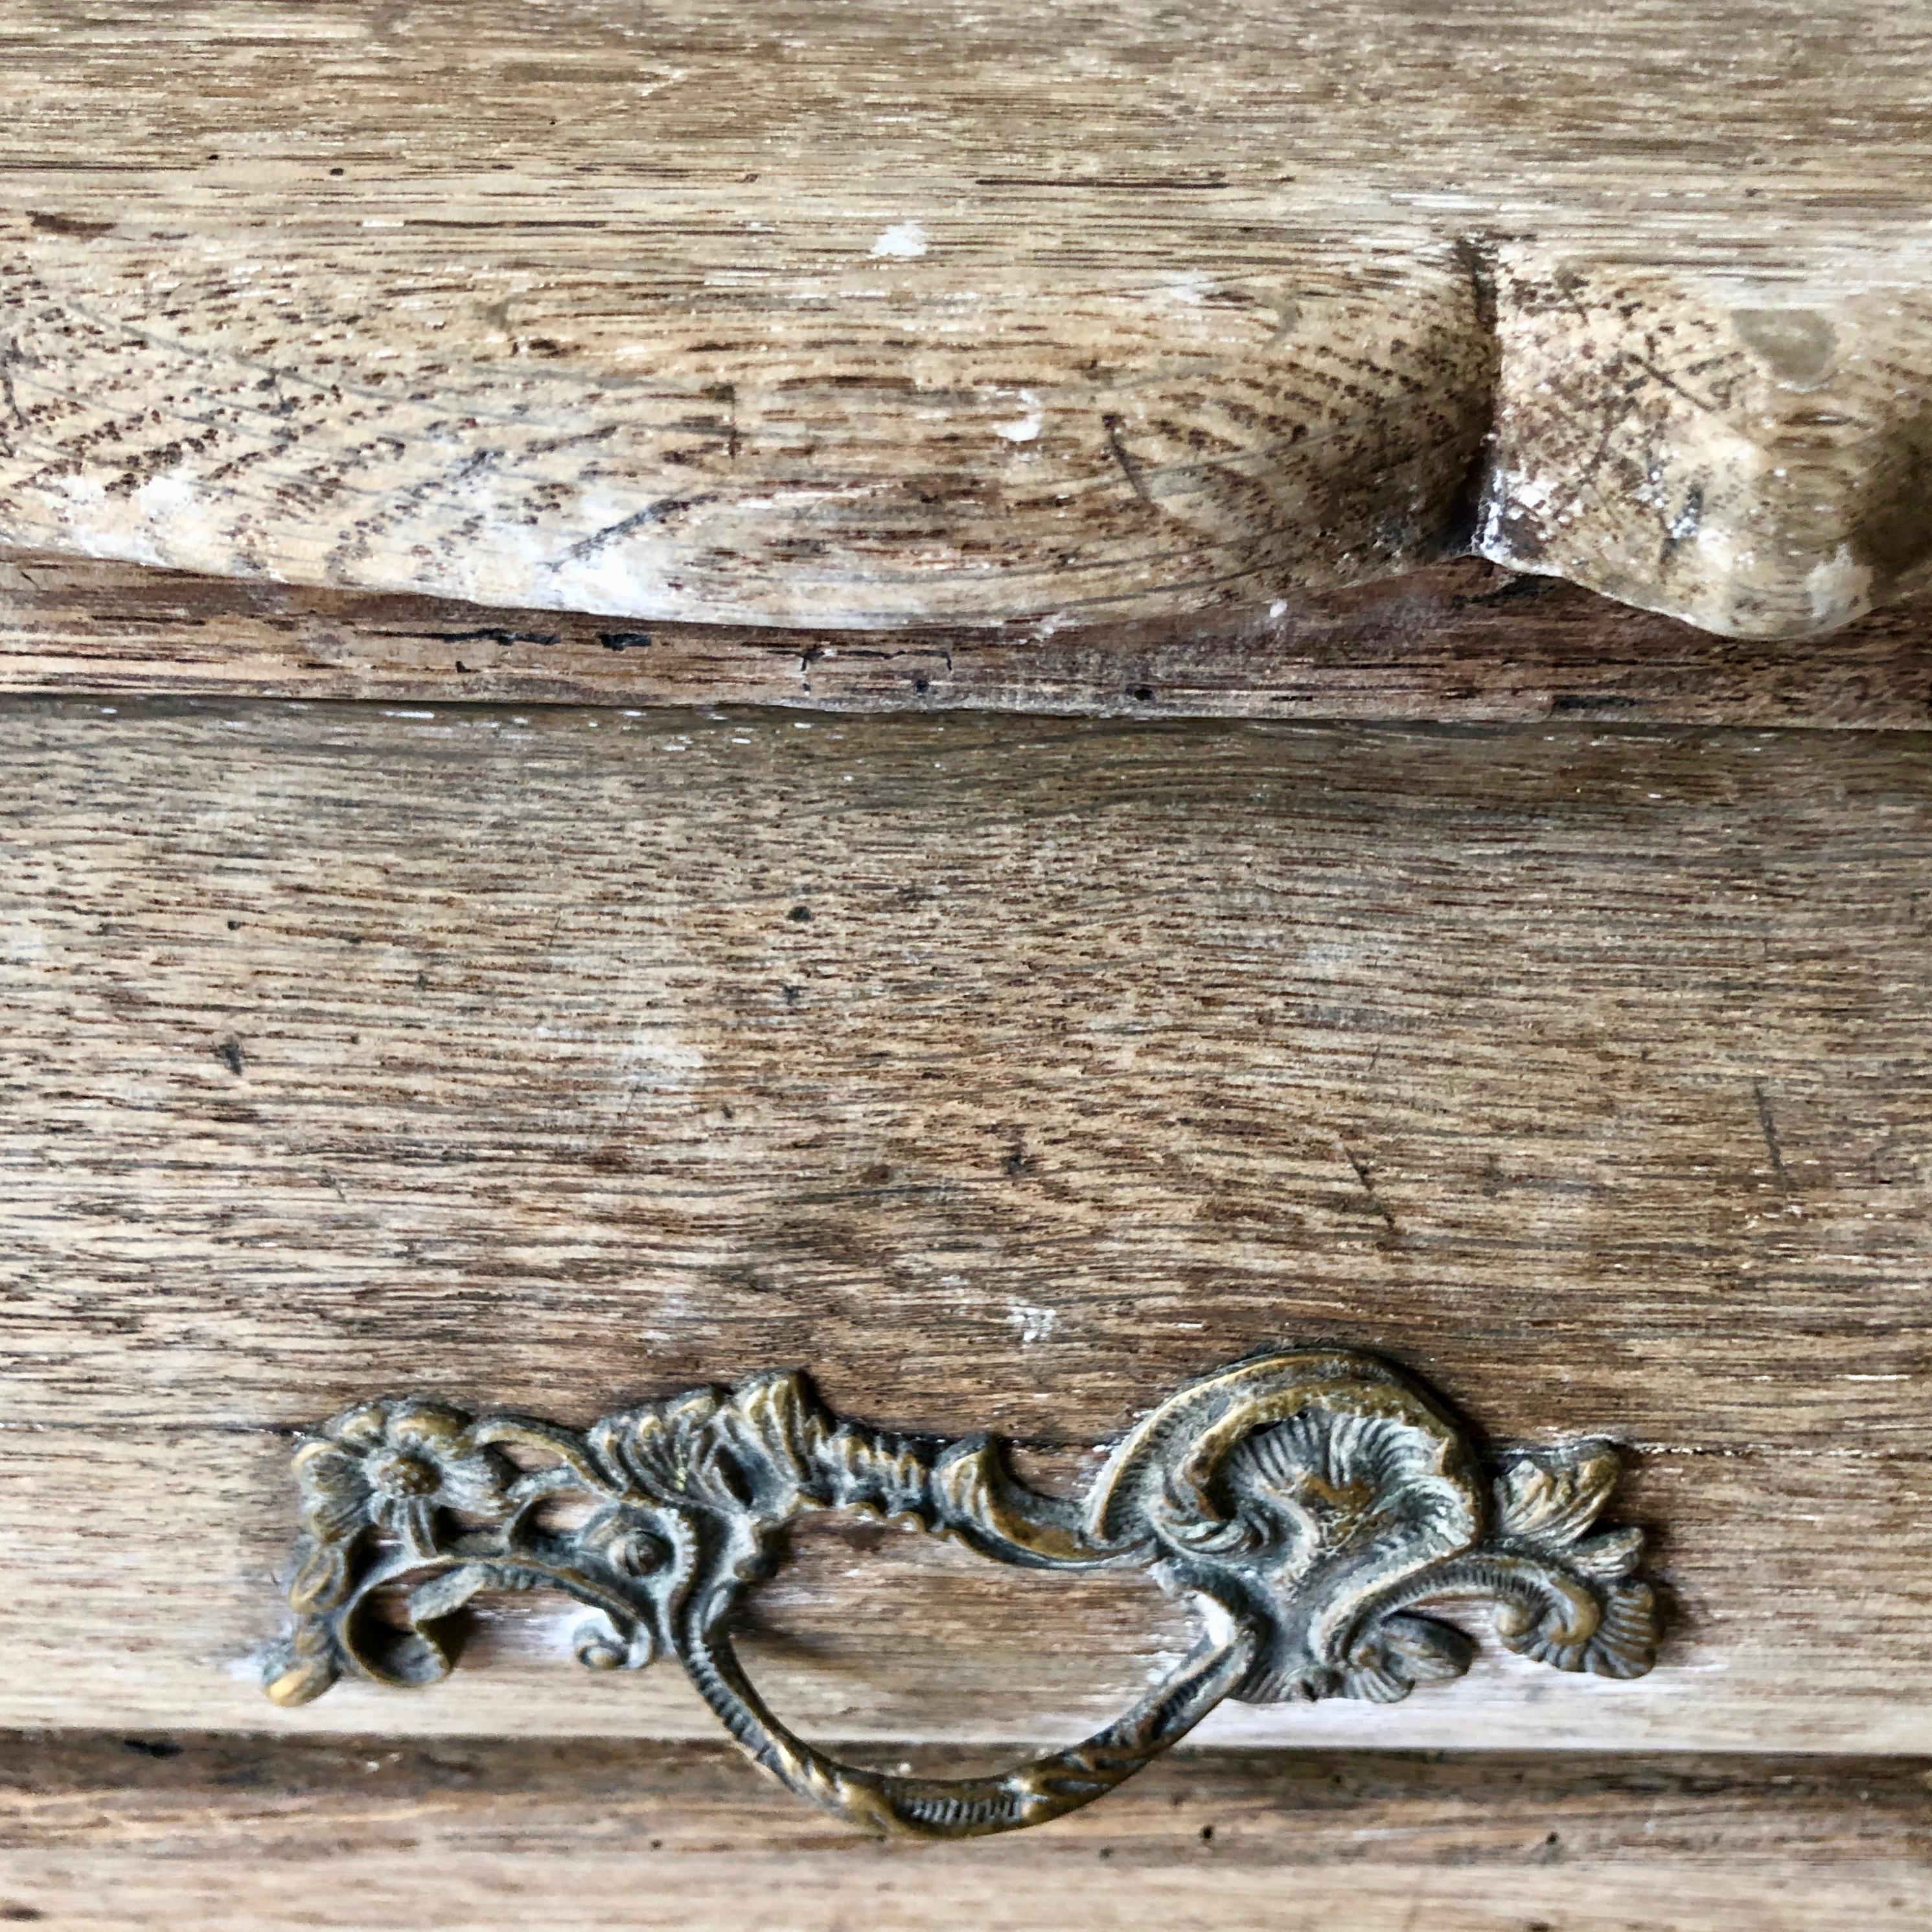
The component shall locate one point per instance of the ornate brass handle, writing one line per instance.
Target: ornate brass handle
(1303, 1503)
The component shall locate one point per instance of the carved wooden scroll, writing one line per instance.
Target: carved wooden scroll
(1304, 1504)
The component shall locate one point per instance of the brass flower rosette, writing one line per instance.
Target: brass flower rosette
(1304, 1504)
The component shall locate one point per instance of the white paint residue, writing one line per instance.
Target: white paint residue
(1193, 286)
(1025, 428)
(1839, 589)
(23, 944)
(1030, 1323)
(1533, 493)
(905, 242)
(555, 1634)
(663, 77)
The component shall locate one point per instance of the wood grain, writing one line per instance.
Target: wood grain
(847, 316)
(1461, 642)
(1006, 1073)
(154, 1831)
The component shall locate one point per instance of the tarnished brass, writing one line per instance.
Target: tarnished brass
(1304, 1504)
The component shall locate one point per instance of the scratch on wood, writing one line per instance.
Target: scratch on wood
(1129, 469)
(1361, 1171)
(1769, 1128)
(638, 519)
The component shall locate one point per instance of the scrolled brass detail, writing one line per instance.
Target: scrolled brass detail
(1304, 1504)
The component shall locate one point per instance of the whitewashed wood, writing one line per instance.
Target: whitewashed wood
(148, 1831)
(1007, 1073)
(866, 315)
(599, 1887)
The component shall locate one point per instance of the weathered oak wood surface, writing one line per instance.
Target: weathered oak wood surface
(1006, 1073)
(1460, 642)
(112, 1833)
(867, 315)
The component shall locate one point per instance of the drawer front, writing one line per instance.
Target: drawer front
(1006, 1075)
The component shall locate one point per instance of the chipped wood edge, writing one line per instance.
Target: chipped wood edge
(1463, 641)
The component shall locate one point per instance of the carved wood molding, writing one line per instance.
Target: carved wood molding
(1304, 1504)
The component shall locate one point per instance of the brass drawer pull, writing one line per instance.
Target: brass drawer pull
(1302, 1504)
